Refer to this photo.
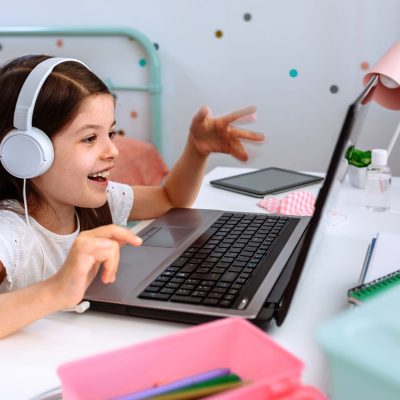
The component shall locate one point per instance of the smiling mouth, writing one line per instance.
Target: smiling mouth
(100, 176)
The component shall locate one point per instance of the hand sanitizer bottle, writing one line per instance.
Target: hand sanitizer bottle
(379, 179)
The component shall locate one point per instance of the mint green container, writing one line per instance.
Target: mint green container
(362, 346)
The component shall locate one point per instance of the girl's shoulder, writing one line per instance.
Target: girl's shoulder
(11, 219)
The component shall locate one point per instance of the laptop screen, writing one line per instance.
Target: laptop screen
(327, 196)
(336, 173)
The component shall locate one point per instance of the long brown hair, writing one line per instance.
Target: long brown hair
(57, 104)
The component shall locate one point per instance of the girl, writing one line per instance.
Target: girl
(51, 251)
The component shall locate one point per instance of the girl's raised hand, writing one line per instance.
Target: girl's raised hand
(90, 249)
(219, 135)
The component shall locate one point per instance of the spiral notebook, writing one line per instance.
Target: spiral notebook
(362, 293)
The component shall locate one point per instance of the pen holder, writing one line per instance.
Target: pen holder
(357, 176)
(229, 343)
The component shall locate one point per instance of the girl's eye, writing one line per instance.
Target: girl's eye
(90, 139)
(112, 134)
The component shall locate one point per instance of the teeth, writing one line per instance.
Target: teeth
(103, 174)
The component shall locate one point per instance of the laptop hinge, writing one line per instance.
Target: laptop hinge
(282, 293)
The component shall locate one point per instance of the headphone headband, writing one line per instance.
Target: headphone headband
(30, 91)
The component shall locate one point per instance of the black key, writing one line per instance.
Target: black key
(202, 270)
(188, 287)
(177, 280)
(180, 262)
(203, 288)
(172, 285)
(208, 283)
(158, 283)
(167, 291)
(154, 296)
(211, 302)
(207, 277)
(189, 267)
(229, 277)
(213, 295)
(182, 274)
(219, 290)
(152, 289)
(183, 292)
(223, 284)
(202, 239)
(218, 270)
(199, 293)
(235, 269)
(186, 299)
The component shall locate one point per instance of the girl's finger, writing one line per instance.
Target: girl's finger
(238, 151)
(201, 115)
(244, 134)
(114, 232)
(110, 265)
(240, 114)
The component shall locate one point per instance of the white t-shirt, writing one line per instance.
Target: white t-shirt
(20, 251)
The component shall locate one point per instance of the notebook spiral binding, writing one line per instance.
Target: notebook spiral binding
(362, 293)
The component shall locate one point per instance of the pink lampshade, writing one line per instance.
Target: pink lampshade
(387, 91)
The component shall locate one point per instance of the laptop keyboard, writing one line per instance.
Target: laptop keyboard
(215, 269)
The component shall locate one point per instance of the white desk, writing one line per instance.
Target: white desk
(28, 359)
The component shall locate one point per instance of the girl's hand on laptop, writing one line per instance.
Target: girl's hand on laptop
(91, 249)
(219, 135)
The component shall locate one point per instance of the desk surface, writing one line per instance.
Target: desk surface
(30, 357)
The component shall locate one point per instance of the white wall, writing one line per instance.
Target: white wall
(326, 41)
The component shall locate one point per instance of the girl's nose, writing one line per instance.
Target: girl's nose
(110, 150)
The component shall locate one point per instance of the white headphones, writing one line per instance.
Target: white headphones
(26, 151)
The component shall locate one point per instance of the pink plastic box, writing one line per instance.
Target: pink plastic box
(230, 343)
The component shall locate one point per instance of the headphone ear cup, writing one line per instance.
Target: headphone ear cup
(26, 154)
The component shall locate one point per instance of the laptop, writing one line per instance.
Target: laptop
(197, 265)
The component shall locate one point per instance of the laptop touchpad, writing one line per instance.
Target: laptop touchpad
(166, 236)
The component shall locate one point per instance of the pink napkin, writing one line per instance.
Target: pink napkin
(295, 203)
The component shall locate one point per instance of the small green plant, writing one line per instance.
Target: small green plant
(358, 158)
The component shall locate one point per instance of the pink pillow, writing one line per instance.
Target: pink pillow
(138, 163)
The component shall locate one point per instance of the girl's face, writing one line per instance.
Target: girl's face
(84, 154)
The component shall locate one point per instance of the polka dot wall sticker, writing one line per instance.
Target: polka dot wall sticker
(60, 43)
(219, 34)
(134, 114)
(293, 73)
(247, 17)
(334, 89)
(364, 65)
(142, 62)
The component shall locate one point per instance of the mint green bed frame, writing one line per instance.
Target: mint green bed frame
(154, 84)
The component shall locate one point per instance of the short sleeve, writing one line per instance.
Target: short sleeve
(11, 239)
(120, 200)
(8, 259)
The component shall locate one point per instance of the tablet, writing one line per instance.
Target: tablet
(265, 181)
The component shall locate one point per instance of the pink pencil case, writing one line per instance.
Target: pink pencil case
(232, 343)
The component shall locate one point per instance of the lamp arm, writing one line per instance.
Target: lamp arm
(393, 139)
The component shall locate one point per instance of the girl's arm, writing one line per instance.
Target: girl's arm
(67, 287)
(207, 135)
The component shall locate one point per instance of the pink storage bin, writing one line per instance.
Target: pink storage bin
(231, 343)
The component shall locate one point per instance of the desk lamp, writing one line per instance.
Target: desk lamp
(387, 91)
